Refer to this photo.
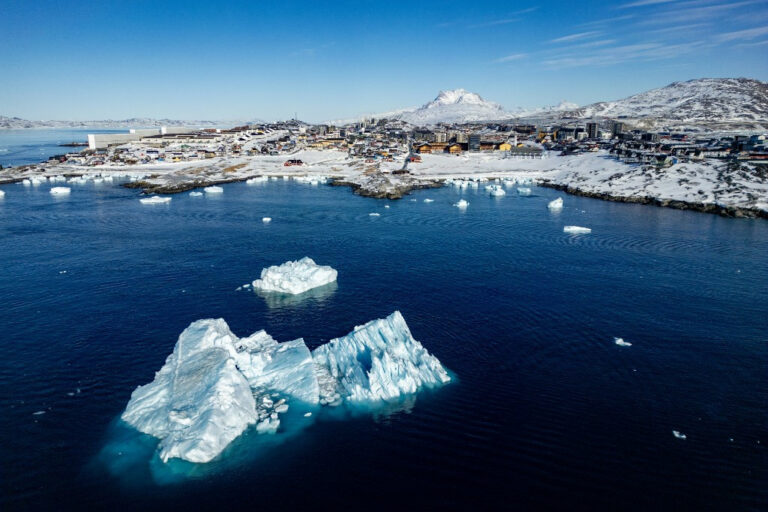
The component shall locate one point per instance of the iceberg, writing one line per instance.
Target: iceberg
(195, 193)
(496, 190)
(620, 342)
(428, 200)
(523, 191)
(462, 204)
(576, 230)
(556, 204)
(26, 182)
(376, 361)
(155, 200)
(215, 385)
(60, 191)
(213, 190)
(2, 194)
(679, 435)
(374, 214)
(295, 277)
(266, 220)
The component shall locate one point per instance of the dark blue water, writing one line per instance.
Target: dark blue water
(32, 146)
(546, 412)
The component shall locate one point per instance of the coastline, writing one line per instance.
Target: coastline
(702, 187)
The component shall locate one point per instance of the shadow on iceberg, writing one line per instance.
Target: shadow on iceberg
(223, 400)
(276, 300)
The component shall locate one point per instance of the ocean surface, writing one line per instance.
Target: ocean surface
(546, 411)
(32, 146)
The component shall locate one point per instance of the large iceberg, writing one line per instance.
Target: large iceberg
(215, 385)
(376, 361)
(295, 277)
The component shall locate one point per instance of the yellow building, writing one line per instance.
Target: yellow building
(505, 146)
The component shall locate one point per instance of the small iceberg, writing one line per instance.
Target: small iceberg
(576, 230)
(26, 182)
(155, 200)
(60, 191)
(215, 385)
(255, 180)
(679, 435)
(462, 204)
(195, 193)
(295, 277)
(496, 190)
(2, 194)
(523, 191)
(213, 190)
(557, 204)
(374, 214)
(429, 200)
(266, 220)
(620, 342)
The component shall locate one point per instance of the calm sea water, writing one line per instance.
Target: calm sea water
(22, 147)
(546, 410)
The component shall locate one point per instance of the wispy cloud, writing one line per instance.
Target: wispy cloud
(510, 58)
(626, 53)
(642, 3)
(751, 45)
(741, 35)
(494, 23)
(576, 37)
(606, 21)
(689, 13)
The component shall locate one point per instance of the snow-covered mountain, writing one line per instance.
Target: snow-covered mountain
(702, 101)
(455, 106)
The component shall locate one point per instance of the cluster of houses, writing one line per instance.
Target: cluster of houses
(387, 140)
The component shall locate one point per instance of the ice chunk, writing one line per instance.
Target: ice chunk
(37, 180)
(266, 220)
(257, 179)
(295, 277)
(213, 190)
(195, 193)
(556, 204)
(620, 342)
(496, 190)
(214, 385)
(60, 191)
(523, 191)
(429, 200)
(679, 435)
(576, 230)
(26, 183)
(462, 204)
(374, 214)
(376, 361)
(155, 200)
(2, 194)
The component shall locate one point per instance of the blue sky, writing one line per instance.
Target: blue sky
(324, 60)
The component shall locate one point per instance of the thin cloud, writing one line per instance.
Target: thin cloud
(625, 54)
(741, 35)
(605, 21)
(495, 22)
(576, 37)
(510, 58)
(642, 3)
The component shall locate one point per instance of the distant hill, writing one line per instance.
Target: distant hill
(15, 123)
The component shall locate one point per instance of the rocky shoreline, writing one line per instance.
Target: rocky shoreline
(717, 209)
(385, 186)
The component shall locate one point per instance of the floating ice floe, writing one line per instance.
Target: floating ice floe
(60, 191)
(295, 277)
(523, 191)
(195, 193)
(386, 206)
(155, 200)
(215, 385)
(679, 435)
(26, 182)
(576, 230)
(556, 204)
(213, 190)
(37, 180)
(266, 220)
(462, 204)
(255, 180)
(2, 194)
(496, 190)
(374, 214)
(620, 342)
(429, 200)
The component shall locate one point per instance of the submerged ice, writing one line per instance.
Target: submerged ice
(215, 385)
(295, 277)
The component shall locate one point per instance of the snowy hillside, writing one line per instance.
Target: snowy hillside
(701, 101)
(16, 123)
